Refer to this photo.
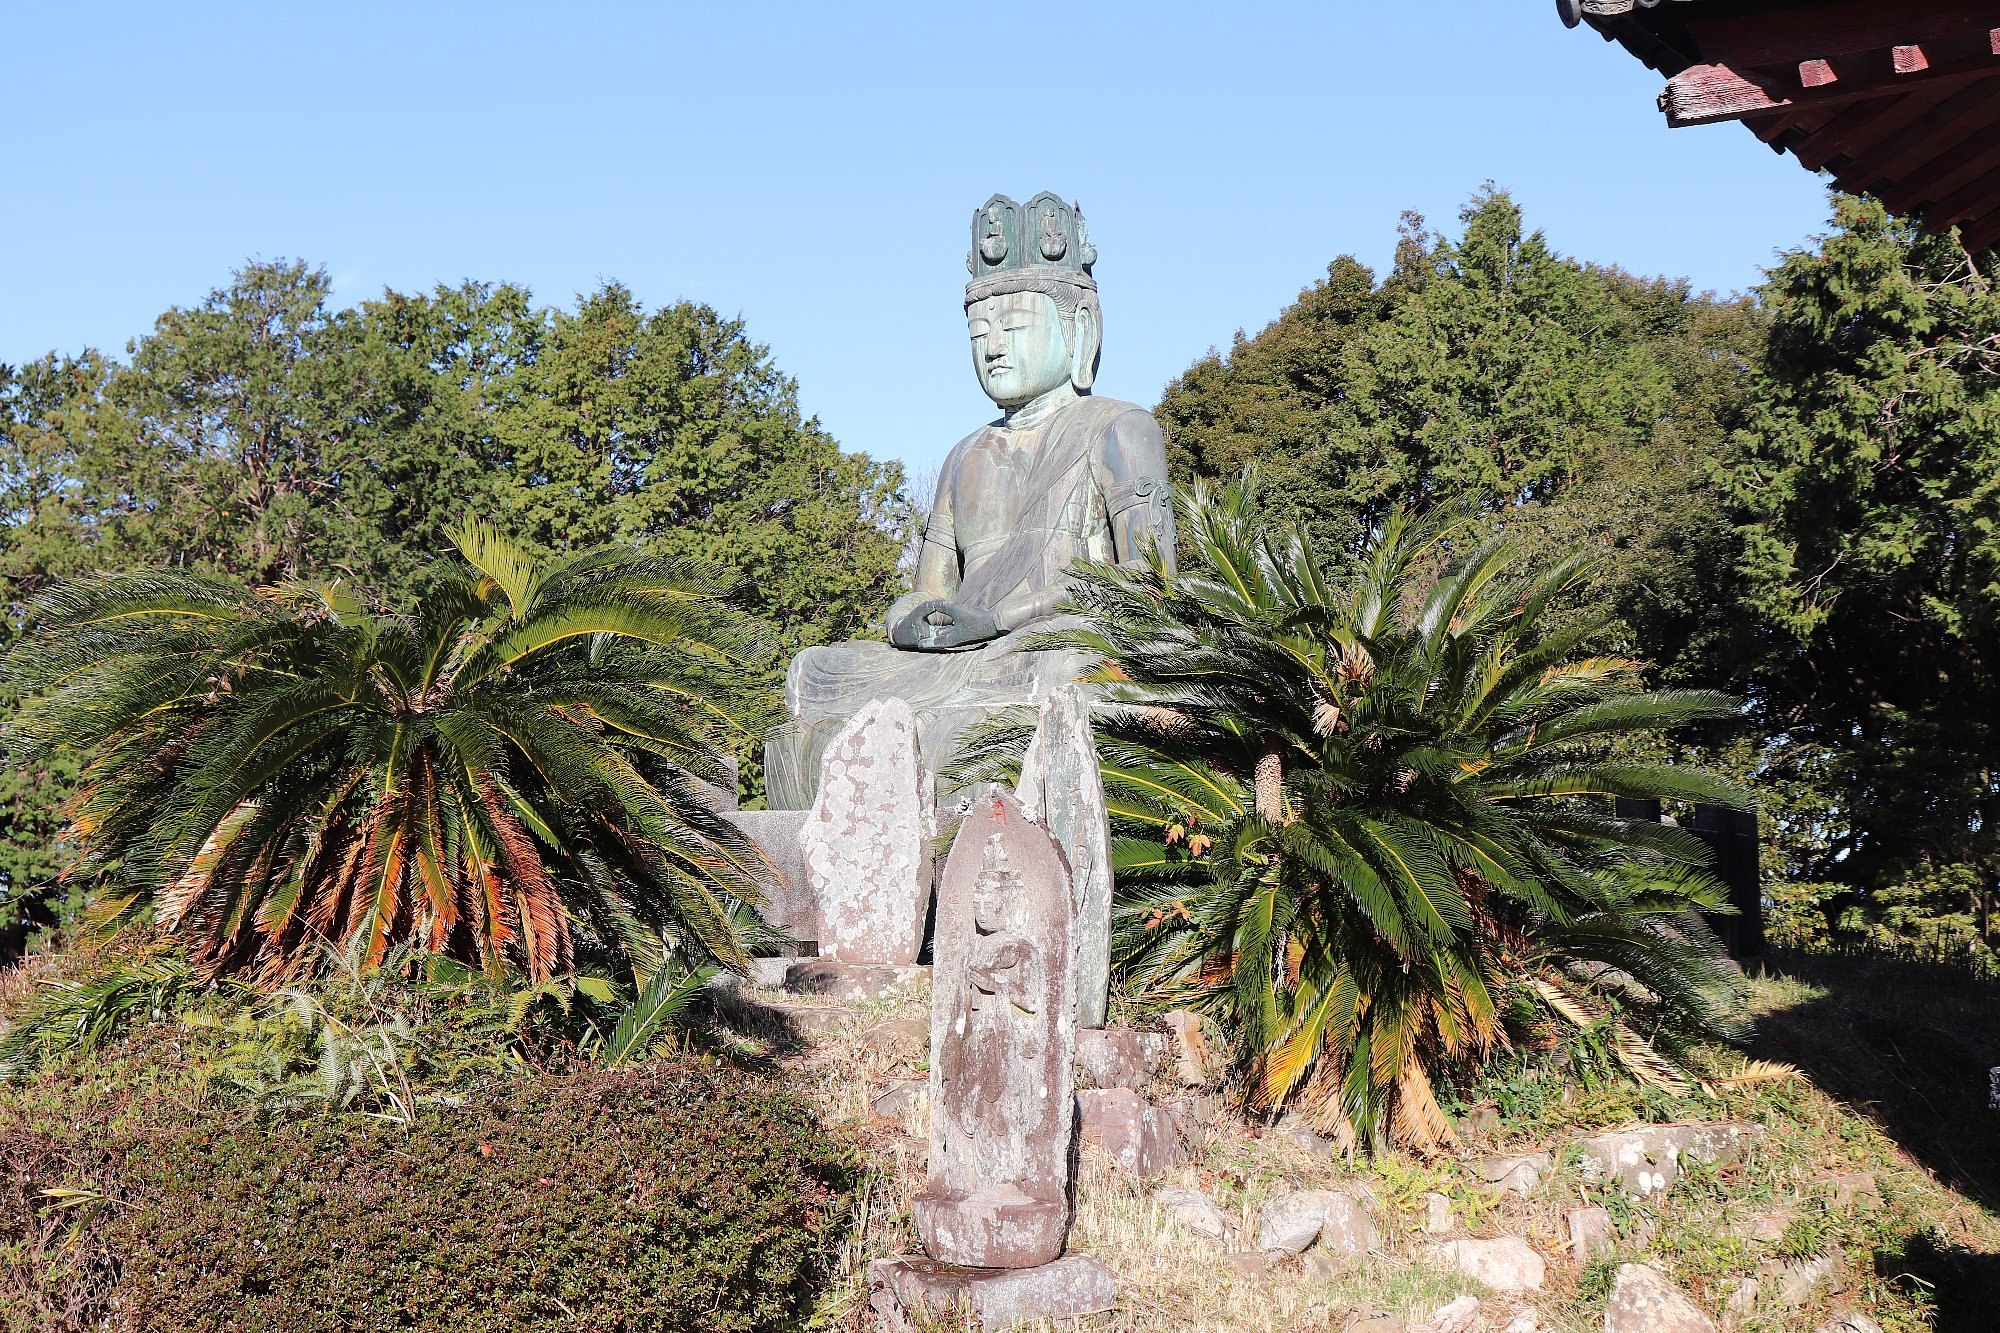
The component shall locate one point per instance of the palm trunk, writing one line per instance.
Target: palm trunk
(1270, 785)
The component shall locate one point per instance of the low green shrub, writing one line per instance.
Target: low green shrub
(56, 1273)
(1937, 915)
(675, 1196)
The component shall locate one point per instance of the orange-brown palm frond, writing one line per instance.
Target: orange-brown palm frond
(436, 908)
(179, 898)
(1417, 1121)
(385, 906)
(544, 922)
(1321, 1102)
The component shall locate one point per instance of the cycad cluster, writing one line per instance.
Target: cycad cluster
(509, 772)
(1385, 789)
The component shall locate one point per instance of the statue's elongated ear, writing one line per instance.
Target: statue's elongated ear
(1084, 348)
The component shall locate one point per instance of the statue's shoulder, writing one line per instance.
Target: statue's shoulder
(958, 450)
(1120, 432)
(1110, 423)
(1105, 412)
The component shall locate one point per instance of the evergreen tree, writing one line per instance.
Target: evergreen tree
(1579, 407)
(1869, 493)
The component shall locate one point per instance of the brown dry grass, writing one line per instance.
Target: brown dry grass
(1173, 1280)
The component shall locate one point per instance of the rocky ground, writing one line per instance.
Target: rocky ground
(1760, 1206)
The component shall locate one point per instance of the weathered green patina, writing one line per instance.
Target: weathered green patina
(1060, 475)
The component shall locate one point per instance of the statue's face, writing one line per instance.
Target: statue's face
(1019, 349)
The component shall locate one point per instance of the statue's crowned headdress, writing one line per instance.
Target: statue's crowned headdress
(1021, 247)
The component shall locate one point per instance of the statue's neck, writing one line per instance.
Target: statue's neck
(1038, 410)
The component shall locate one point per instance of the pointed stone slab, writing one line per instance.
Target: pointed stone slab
(866, 840)
(1062, 789)
(1003, 1046)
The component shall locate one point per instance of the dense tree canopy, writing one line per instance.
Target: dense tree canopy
(1580, 405)
(266, 434)
(1793, 495)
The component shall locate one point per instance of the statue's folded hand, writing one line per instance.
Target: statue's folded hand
(941, 625)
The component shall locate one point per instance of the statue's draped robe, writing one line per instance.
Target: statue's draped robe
(1021, 504)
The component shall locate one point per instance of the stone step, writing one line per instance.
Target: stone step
(854, 983)
(776, 1015)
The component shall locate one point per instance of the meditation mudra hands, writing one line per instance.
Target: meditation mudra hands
(941, 625)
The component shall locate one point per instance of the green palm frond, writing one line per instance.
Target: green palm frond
(503, 776)
(1447, 744)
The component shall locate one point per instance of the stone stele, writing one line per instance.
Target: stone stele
(1062, 789)
(1003, 1039)
(866, 841)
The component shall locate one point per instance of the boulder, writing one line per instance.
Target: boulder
(1518, 1175)
(1198, 1112)
(905, 1097)
(1134, 1133)
(1119, 1057)
(1647, 1161)
(1505, 1263)
(1855, 1191)
(853, 983)
(1459, 1316)
(1294, 1131)
(1348, 1229)
(911, 1291)
(1766, 1228)
(1437, 1214)
(1849, 1321)
(892, 1037)
(1248, 1265)
(1193, 1210)
(1589, 1233)
(1807, 1280)
(1291, 1222)
(1480, 1122)
(1644, 1302)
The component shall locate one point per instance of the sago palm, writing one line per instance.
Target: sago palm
(506, 774)
(1385, 790)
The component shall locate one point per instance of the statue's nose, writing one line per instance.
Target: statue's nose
(994, 344)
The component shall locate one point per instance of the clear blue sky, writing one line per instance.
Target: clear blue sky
(813, 167)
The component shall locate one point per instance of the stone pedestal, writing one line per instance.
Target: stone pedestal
(866, 840)
(1002, 1046)
(1062, 789)
(990, 1299)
